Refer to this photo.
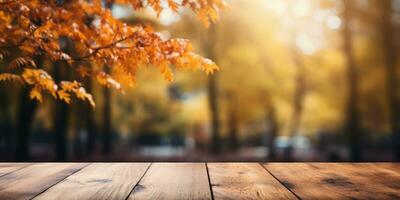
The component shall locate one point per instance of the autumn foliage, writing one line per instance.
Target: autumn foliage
(103, 47)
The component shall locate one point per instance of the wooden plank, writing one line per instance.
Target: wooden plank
(29, 181)
(245, 181)
(338, 181)
(99, 181)
(174, 181)
(394, 167)
(6, 168)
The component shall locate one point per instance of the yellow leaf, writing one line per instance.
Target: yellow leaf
(83, 71)
(173, 5)
(64, 96)
(35, 94)
(91, 101)
(10, 77)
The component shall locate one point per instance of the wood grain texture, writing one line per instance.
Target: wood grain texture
(6, 168)
(174, 181)
(30, 181)
(245, 181)
(394, 167)
(99, 181)
(339, 181)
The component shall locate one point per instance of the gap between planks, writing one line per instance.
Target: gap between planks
(23, 165)
(99, 181)
(245, 181)
(209, 181)
(174, 181)
(60, 181)
(339, 180)
(29, 181)
(280, 181)
(130, 193)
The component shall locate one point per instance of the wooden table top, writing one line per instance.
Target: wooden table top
(199, 181)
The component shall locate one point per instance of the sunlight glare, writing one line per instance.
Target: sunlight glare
(301, 8)
(278, 7)
(334, 22)
(305, 44)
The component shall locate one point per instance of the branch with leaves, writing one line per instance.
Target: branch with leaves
(33, 28)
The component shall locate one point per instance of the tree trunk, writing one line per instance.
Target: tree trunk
(89, 120)
(27, 108)
(298, 97)
(233, 130)
(26, 112)
(390, 52)
(61, 117)
(272, 132)
(6, 124)
(60, 130)
(214, 112)
(6, 133)
(107, 134)
(80, 135)
(297, 111)
(213, 94)
(352, 125)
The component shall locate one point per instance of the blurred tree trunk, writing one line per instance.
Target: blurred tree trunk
(6, 123)
(26, 112)
(6, 131)
(107, 134)
(89, 121)
(352, 124)
(297, 107)
(214, 112)
(272, 132)
(390, 52)
(60, 130)
(79, 114)
(61, 117)
(298, 97)
(213, 94)
(233, 129)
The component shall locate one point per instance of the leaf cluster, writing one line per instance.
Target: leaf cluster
(92, 43)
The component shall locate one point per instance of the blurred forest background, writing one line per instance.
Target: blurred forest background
(299, 80)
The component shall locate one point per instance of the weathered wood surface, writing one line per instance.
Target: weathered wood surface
(174, 181)
(6, 168)
(27, 182)
(199, 181)
(339, 181)
(99, 181)
(245, 181)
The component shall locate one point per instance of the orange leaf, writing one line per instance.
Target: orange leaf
(35, 94)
